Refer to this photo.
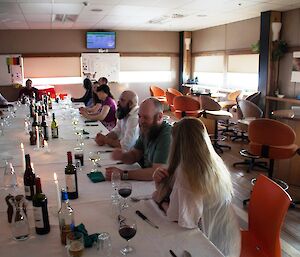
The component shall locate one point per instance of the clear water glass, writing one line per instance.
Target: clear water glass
(104, 246)
(115, 182)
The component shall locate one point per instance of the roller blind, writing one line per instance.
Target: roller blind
(214, 63)
(246, 63)
(48, 67)
(145, 64)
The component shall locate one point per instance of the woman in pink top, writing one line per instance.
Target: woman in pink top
(106, 112)
(196, 189)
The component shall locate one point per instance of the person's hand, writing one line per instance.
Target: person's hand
(159, 174)
(155, 196)
(117, 154)
(110, 170)
(100, 139)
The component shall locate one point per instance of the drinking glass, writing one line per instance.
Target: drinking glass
(115, 182)
(94, 157)
(10, 177)
(104, 244)
(127, 230)
(125, 190)
(79, 155)
(75, 244)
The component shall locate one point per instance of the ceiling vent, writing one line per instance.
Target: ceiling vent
(159, 20)
(64, 18)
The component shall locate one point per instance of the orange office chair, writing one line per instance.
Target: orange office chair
(171, 93)
(174, 91)
(186, 106)
(158, 93)
(267, 209)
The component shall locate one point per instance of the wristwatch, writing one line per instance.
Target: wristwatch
(125, 175)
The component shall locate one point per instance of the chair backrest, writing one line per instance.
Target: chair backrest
(156, 91)
(254, 98)
(267, 209)
(184, 104)
(249, 109)
(271, 132)
(174, 91)
(208, 104)
(233, 95)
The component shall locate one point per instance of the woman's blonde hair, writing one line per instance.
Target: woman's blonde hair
(205, 171)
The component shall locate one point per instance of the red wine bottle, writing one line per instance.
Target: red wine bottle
(29, 179)
(45, 129)
(40, 210)
(71, 178)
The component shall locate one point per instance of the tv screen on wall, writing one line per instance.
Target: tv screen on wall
(101, 40)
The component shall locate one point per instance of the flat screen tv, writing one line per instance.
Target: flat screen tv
(101, 40)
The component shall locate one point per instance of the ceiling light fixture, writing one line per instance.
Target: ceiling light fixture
(96, 10)
(201, 15)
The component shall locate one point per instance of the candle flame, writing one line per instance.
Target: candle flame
(22, 146)
(45, 143)
(55, 176)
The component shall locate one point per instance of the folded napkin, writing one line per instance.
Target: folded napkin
(96, 176)
(88, 239)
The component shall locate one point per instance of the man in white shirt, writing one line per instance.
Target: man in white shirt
(126, 132)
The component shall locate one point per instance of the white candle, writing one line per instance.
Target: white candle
(57, 191)
(37, 137)
(23, 157)
(46, 147)
(32, 167)
(36, 117)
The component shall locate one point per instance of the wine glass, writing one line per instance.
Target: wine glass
(125, 189)
(94, 157)
(115, 182)
(127, 230)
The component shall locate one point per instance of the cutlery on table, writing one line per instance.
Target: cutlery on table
(109, 164)
(172, 253)
(139, 198)
(142, 216)
(186, 254)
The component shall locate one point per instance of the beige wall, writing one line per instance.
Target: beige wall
(237, 35)
(291, 34)
(73, 41)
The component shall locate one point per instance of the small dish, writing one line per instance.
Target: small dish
(280, 96)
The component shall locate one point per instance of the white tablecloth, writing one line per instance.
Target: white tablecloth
(93, 208)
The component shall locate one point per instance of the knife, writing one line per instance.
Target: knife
(141, 215)
(105, 151)
(172, 253)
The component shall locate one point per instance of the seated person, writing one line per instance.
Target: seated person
(87, 98)
(152, 147)
(29, 90)
(107, 111)
(3, 102)
(196, 189)
(126, 132)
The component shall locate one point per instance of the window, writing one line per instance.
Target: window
(145, 69)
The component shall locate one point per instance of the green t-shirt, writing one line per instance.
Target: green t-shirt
(157, 150)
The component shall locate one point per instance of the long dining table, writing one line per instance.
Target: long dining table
(94, 206)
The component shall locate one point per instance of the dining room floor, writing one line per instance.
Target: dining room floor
(290, 234)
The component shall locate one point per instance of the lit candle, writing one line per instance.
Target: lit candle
(57, 191)
(46, 147)
(23, 157)
(37, 137)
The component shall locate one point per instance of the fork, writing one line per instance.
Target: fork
(139, 198)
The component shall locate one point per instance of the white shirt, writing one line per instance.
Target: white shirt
(127, 129)
(218, 221)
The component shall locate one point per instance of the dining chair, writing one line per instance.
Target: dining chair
(186, 106)
(158, 93)
(267, 209)
(174, 91)
(171, 93)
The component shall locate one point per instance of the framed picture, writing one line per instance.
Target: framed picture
(296, 67)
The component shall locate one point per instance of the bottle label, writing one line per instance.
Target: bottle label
(54, 132)
(70, 183)
(38, 217)
(27, 191)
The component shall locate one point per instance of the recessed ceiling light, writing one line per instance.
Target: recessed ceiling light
(96, 10)
(239, 4)
(201, 15)
(177, 15)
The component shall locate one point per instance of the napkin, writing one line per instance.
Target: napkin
(96, 176)
(88, 239)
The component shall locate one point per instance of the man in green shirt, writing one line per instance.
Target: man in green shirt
(151, 150)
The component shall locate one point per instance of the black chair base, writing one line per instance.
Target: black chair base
(294, 203)
(242, 136)
(250, 161)
(218, 147)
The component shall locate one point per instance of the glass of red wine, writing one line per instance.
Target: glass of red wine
(127, 230)
(125, 190)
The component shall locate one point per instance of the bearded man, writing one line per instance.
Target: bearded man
(152, 147)
(126, 132)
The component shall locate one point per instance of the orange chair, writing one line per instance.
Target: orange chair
(158, 93)
(267, 209)
(170, 95)
(186, 106)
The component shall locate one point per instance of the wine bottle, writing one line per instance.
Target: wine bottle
(65, 216)
(40, 210)
(29, 179)
(34, 122)
(45, 128)
(40, 115)
(71, 178)
(49, 101)
(54, 127)
(32, 113)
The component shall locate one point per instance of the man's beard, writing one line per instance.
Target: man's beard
(122, 112)
(154, 132)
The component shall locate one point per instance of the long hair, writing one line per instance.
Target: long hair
(204, 170)
(105, 88)
(87, 84)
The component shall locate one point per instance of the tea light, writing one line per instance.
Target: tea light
(46, 146)
(37, 137)
(57, 191)
(23, 157)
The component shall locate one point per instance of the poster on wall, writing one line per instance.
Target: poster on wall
(11, 70)
(296, 67)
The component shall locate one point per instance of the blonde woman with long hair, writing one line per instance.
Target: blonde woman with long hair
(196, 189)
